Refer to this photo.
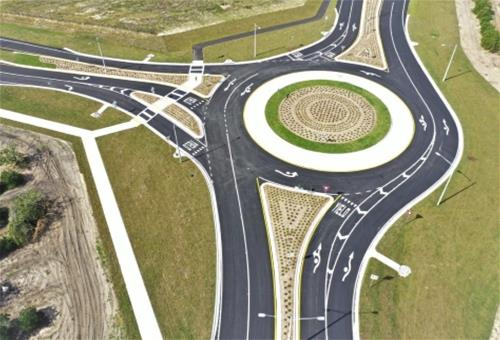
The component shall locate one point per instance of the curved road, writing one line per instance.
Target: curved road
(234, 162)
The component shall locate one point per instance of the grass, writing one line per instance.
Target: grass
(272, 43)
(454, 250)
(174, 47)
(166, 209)
(380, 130)
(59, 107)
(23, 59)
(126, 320)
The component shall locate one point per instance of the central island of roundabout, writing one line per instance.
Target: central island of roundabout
(328, 121)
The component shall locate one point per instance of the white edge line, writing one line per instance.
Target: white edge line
(390, 223)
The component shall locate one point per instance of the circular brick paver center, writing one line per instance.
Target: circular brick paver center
(327, 114)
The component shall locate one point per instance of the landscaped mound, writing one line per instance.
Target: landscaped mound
(328, 116)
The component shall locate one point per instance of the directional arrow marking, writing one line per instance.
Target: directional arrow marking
(287, 174)
(317, 258)
(347, 270)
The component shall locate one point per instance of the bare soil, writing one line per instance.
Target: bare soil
(60, 270)
(486, 63)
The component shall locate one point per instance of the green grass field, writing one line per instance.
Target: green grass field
(126, 319)
(166, 209)
(23, 59)
(454, 250)
(380, 130)
(174, 47)
(59, 107)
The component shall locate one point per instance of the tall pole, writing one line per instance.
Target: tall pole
(255, 27)
(177, 143)
(444, 190)
(100, 51)
(449, 64)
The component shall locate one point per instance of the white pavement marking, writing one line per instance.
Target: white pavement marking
(347, 269)
(317, 258)
(141, 305)
(287, 173)
(397, 139)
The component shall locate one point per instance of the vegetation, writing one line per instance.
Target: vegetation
(174, 229)
(23, 59)
(453, 250)
(60, 107)
(10, 156)
(10, 179)
(4, 326)
(173, 47)
(28, 208)
(380, 130)
(126, 320)
(490, 36)
(4, 216)
(30, 319)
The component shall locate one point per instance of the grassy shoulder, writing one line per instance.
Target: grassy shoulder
(59, 107)
(272, 43)
(23, 59)
(453, 250)
(173, 47)
(380, 130)
(166, 209)
(126, 320)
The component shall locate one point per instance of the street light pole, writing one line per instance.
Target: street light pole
(444, 190)
(449, 64)
(100, 51)
(255, 27)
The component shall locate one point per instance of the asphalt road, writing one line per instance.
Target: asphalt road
(234, 163)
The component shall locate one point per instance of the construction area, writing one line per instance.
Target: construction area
(58, 270)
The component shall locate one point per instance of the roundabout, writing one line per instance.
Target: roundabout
(328, 121)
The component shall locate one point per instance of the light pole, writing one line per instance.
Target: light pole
(318, 318)
(100, 51)
(255, 28)
(449, 64)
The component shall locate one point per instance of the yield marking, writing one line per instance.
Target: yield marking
(382, 192)
(446, 128)
(246, 90)
(361, 212)
(422, 121)
(81, 78)
(347, 270)
(317, 258)
(287, 173)
(69, 87)
(231, 83)
(370, 74)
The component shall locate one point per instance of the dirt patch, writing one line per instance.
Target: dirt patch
(326, 114)
(368, 47)
(61, 270)
(486, 63)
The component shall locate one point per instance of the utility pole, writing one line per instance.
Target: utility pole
(177, 144)
(255, 28)
(444, 190)
(449, 64)
(100, 51)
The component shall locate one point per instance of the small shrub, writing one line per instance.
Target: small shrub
(490, 37)
(7, 245)
(4, 216)
(27, 209)
(10, 156)
(29, 319)
(11, 179)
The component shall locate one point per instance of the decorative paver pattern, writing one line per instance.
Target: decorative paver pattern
(290, 214)
(326, 114)
(368, 47)
(174, 111)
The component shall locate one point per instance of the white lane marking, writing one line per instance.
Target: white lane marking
(370, 74)
(69, 87)
(422, 122)
(287, 173)
(443, 157)
(231, 83)
(83, 78)
(347, 270)
(244, 232)
(317, 258)
(247, 89)
(446, 128)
